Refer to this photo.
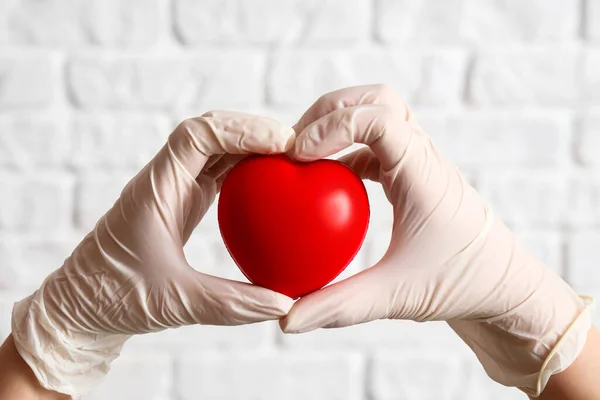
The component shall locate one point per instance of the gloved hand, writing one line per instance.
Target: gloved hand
(130, 276)
(449, 257)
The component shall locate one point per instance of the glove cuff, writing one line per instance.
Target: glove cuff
(517, 357)
(59, 361)
(566, 350)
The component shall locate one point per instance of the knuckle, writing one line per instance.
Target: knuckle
(187, 125)
(209, 114)
(388, 95)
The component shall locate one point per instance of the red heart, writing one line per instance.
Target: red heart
(292, 227)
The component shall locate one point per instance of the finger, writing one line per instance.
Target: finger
(358, 299)
(364, 163)
(349, 97)
(380, 127)
(221, 132)
(216, 301)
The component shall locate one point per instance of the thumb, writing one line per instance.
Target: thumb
(210, 300)
(358, 299)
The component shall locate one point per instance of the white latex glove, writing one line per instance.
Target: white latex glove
(130, 276)
(449, 258)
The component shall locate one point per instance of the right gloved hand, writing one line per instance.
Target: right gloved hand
(449, 258)
(130, 276)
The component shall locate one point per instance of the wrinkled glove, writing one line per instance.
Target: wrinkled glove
(449, 257)
(130, 276)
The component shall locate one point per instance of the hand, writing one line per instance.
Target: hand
(130, 276)
(449, 257)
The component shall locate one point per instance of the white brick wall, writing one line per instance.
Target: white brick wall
(90, 90)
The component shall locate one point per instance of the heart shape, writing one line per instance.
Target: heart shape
(291, 226)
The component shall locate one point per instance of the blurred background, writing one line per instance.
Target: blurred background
(89, 91)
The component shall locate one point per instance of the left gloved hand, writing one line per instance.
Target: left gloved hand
(449, 257)
(130, 276)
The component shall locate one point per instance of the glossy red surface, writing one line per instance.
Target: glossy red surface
(292, 227)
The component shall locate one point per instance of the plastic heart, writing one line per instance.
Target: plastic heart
(290, 226)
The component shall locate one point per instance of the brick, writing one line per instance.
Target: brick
(476, 140)
(30, 142)
(418, 21)
(583, 256)
(583, 199)
(590, 291)
(7, 299)
(26, 81)
(211, 80)
(546, 245)
(432, 374)
(95, 194)
(592, 20)
(416, 375)
(70, 22)
(479, 386)
(534, 200)
(516, 21)
(27, 261)
(6, 305)
(378, 241)
(206, 252)
(137, 375)
(298, 78)
(259, 336)
(321, 375)
(271, 21)
(587, 141)
(381, 334)
(209, 223)
(39, 203)
(3, 24)
(591, 77)
(114, 142)
(525, 77)
(455, 21)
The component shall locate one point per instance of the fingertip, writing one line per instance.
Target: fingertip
(285, 327)
(306, 150)
(239, 303)
(293, 326)
(275, 304)
(307, 314)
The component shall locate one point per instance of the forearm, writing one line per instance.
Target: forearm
(17, 381)
(581, 380)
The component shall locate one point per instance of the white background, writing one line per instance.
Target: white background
(89, 90)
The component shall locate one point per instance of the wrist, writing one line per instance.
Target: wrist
(526, 347)
(61, 360)
(578, 381)
(17, 380)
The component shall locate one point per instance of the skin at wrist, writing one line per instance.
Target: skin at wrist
(580, 380)
(17, 381)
